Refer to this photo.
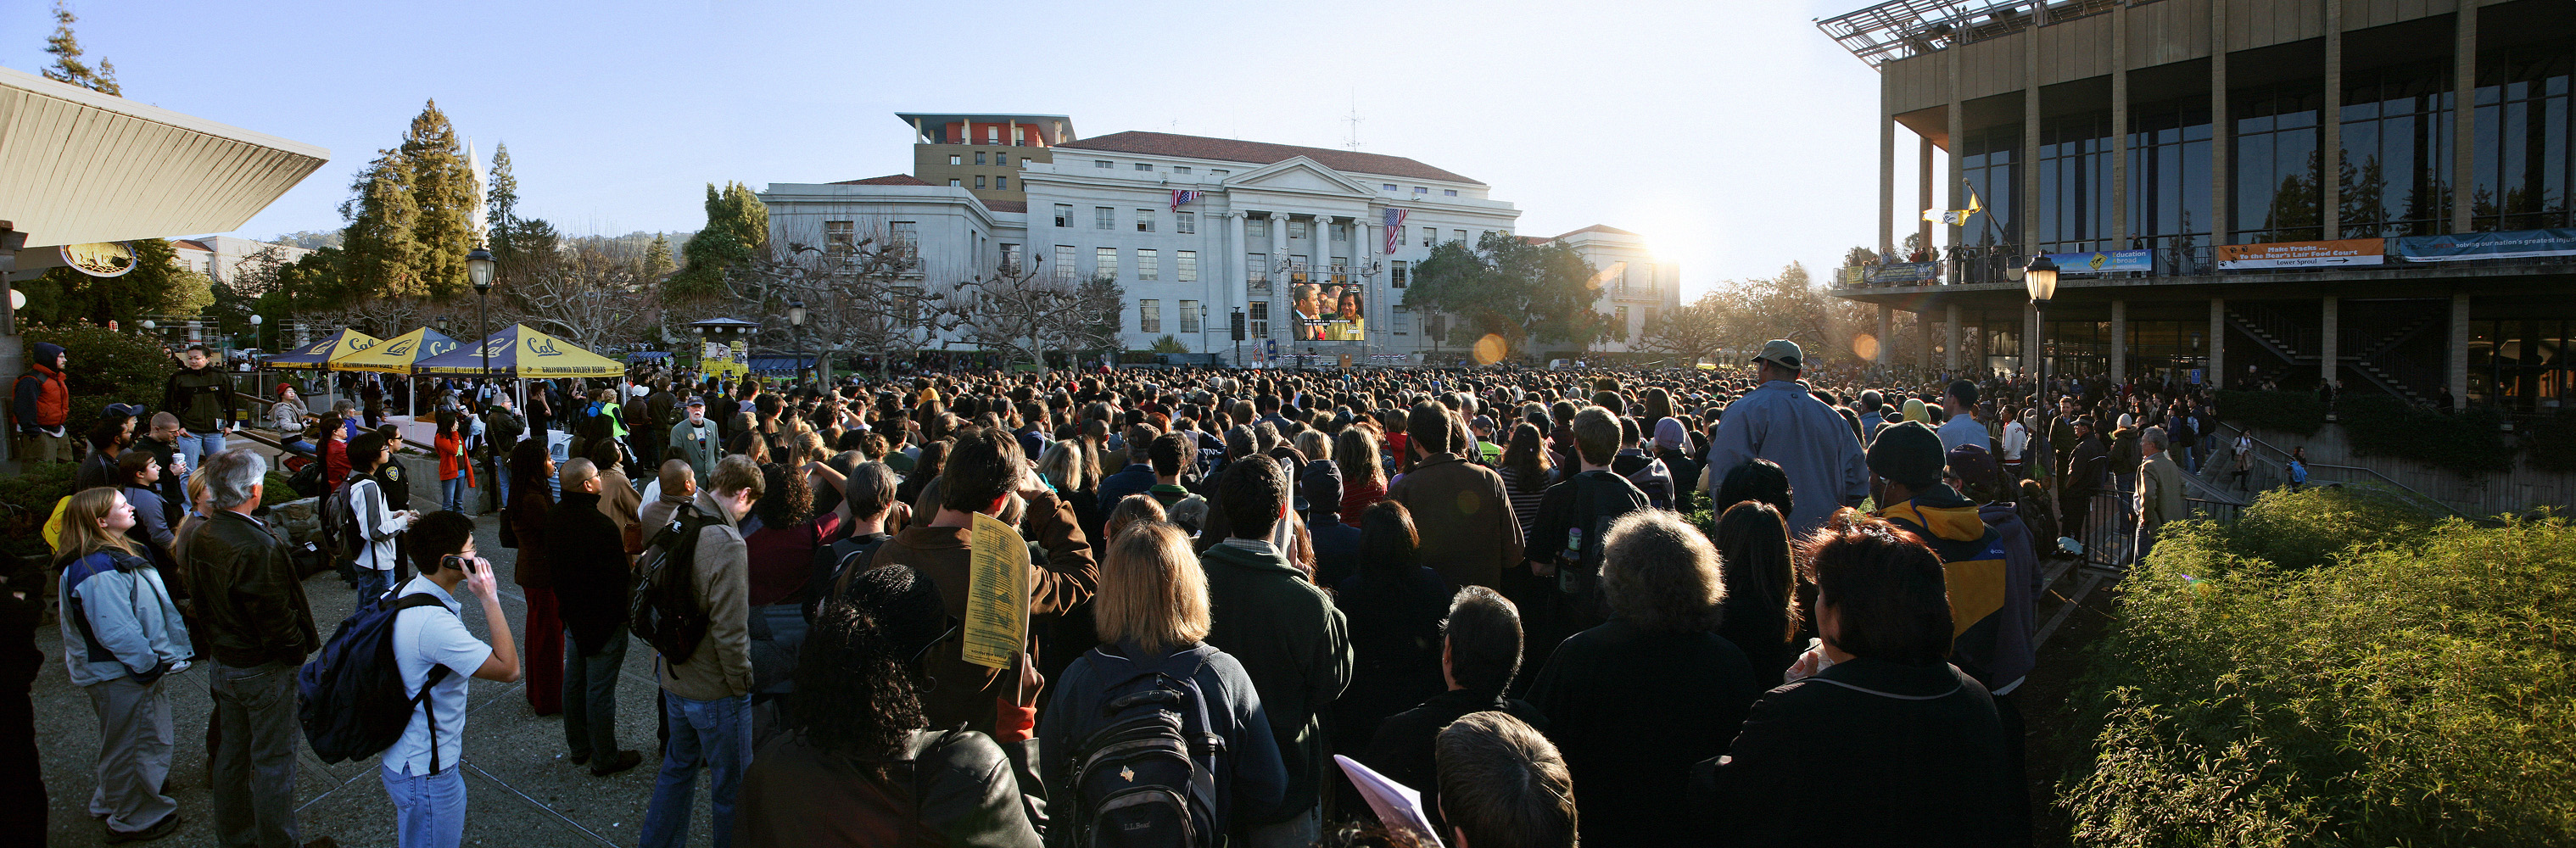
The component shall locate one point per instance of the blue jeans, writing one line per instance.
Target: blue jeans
(197, 447)
(373, 583)
(429, 810)
(451, 493)
(716, 734)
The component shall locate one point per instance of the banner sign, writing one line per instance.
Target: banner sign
(2302, 254)
(2103, 262)
(2516, 244)
(1903, 272)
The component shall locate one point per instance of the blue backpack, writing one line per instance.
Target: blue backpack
(1148, 777)
(350, 697)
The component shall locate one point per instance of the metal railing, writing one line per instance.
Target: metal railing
(2343, 473)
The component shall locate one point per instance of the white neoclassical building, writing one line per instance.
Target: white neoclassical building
(1195, 229)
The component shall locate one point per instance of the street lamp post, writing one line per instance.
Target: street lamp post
(478, 267)
(796, 331)
(2040, 278)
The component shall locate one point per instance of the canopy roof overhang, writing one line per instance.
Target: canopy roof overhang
(77, 166)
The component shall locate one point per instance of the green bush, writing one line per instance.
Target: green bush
(2468, 441)
(2549, 442)
(29, 499)
(2420, 692)
(107, 366)
(2303, 530)
(2296, 412)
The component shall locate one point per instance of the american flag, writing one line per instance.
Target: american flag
(1394, 226)
(1181, 196)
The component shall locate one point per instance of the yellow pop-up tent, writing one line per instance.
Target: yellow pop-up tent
(397, 355)
(321, 353)
(524, 353)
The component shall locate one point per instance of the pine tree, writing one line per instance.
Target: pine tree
(382, 257)
(657, 259)
(443, 189)
(68, 66)
(501, 203)
(737, 228)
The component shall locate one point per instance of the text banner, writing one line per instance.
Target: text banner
(2302, 254)
(2462, 247)
(2104, 262)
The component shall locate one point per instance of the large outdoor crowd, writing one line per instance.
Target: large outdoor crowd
(1484, 584)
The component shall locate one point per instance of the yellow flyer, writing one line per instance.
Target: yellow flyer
(997, 594)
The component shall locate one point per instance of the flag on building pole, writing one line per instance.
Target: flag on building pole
(1956, 217)
(1394, 226)
(1181, 196)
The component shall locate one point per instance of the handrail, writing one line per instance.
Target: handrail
(2390, 482)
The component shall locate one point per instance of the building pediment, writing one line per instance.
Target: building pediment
(1299, 174)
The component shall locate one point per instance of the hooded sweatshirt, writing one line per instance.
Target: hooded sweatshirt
(1975, 568)
(42, 398)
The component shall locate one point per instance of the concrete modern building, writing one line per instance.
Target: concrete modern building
(983, 153)
(2370, 191)
(221, 257)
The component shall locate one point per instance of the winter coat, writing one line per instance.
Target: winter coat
(1294, 644)
(1469, 533)
(132, 626)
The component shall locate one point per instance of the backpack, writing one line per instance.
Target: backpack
(339, 533)
(1148, 777)
(350, 697)
(1596, 506)
(1659, 490)
(664, 605)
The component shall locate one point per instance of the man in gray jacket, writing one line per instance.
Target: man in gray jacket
(1780, 422)
(708, 693)
(699, 441)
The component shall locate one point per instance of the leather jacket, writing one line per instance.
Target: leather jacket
(247, 593)
(957, 788)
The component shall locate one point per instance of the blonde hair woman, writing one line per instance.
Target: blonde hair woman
(1064, 466)
(122, 636)
(1152, 612)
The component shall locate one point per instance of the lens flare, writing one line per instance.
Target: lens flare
(1491, 349)
(1865, 346)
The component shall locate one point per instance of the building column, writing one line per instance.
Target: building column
(2330, 140)
(1364, 250)
(1278, 298)
(1886, 179)
(2119, 342)
(1886, 332)
(2026, 183)
(1923, 348)
(1923, 190)
(2217, 374)
(2329, 355)
(2464, 112)
(2120, 126)
(1950, 340)
(2220, 137)
(1958, 193)
(1237, 278)
(2459, 352)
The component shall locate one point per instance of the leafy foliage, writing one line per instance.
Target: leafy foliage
(26, 500)
(2295, 412)
(1509, 287)
(2550, 442)
(1169, 344)
(68, 66)
(158, 285)
(119, 366)
(737, 228)
(2412, 691)
(2468, 441)
(411, 220)
(444, 191)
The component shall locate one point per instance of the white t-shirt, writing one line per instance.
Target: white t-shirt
(424, 638)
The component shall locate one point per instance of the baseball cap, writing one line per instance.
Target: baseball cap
(1782, 352)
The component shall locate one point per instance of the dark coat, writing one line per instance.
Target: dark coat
(248, 595)
(1294, 645)
(971, 791)
(1337, 549)
(1632, 709)
(1065, 580)
(1402, 749)
(1249, 779)
(1469, 533)
(586, 557)
(1395, 649)
(1131, 480)
(1921, 743)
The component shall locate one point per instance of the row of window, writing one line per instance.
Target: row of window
(1148, 167)
(999, 182)
(1418, 191)
(1149, 316)
(1002, 159)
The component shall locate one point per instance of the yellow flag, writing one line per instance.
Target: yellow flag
(1955, 217)
(997, 594)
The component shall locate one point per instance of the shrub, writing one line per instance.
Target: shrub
(28, 499)
(2296, 412)
(2413, 693)
(2468, 441)
(2303, 530)
(106, 365)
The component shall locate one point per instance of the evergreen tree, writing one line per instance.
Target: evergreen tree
(382, 257)
(737, 228)
(501, 205)
(68, 66)
(657, 259)
(1505, 286)
(444, 191)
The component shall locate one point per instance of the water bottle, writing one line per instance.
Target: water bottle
(1568, 580)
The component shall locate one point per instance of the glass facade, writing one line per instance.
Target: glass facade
(2276, 187)
(2075, 184)
(2522, 161)
(2396, 167)
(1987, 165)
(2169, 173)
(2520, 365)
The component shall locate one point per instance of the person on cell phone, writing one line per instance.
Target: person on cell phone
(419, 771)
(380, 521)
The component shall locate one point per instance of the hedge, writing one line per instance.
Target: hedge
(2414, 689)
(2467, 441)
(2296, 412)
(28, 500)
(106, 366)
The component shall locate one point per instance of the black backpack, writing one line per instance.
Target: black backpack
(350, 698)
(1148, 778)
(664, 605)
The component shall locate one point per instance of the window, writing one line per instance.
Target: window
(1185, 266)
(1258, 315)
(1621, 316)
(1064, 214)
(1145, 166)
(956, 183)
(2275, 139)
(1104, 262)
(2520, 161)
(1461, 236)
(1403, 320)
(1001, 182)
(1144, 220)
(1149, 316)
(1189, 316)
(992, 135)
(979, 181)
(1645, 316)
(1011, 259)
(840, 238)
(956, 159)
(1064, 263)
(2397, 143)
(1296, 268)
(1104, 218)
(1256, 228)
(1990, 164)
(907, 305)
(1430, 236)
(1185, 222)
(1149, 264)
(1400, 239)
(1256, 272)
(904, 238)
(1386, 187)
(1296, 229)
(1395, 274)
(979, 157)
(1449, 192)
(1181, 169)
(1002, 159)
(1218, 172)
(1338, 232)
(1421, 190)
(1101, 163)
(2169, 151)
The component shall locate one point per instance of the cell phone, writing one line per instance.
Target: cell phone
(458, 562)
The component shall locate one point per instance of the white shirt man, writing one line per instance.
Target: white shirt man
(419, 771)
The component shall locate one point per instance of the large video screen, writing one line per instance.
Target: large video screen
(1330, 312)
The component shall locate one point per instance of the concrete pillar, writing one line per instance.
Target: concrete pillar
(2330, 345)
(2119, 342)
(1950, 340)
(1238, 277)
(1923, 345)
(2026, 183)
(1886, 331)
(2330, 141)
(2219, 124)
(2217, 374)
(2464, 111)
(1923, 191)
(2119, 126)
(1958, 193)
(2458, 354)
(1886, 180)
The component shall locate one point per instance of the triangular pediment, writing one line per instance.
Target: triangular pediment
(1299, 174)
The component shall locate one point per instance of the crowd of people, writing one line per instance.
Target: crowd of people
(1485, 585)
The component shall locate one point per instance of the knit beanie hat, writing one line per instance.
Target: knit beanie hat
(1908, 453)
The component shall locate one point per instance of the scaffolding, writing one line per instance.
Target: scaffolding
(1901, 29)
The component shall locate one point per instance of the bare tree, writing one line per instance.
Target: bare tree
(867, 296)
(1694, 331)
(1024, 314)
(582, 296)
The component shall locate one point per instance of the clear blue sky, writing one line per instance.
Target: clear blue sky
(1733, 134)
